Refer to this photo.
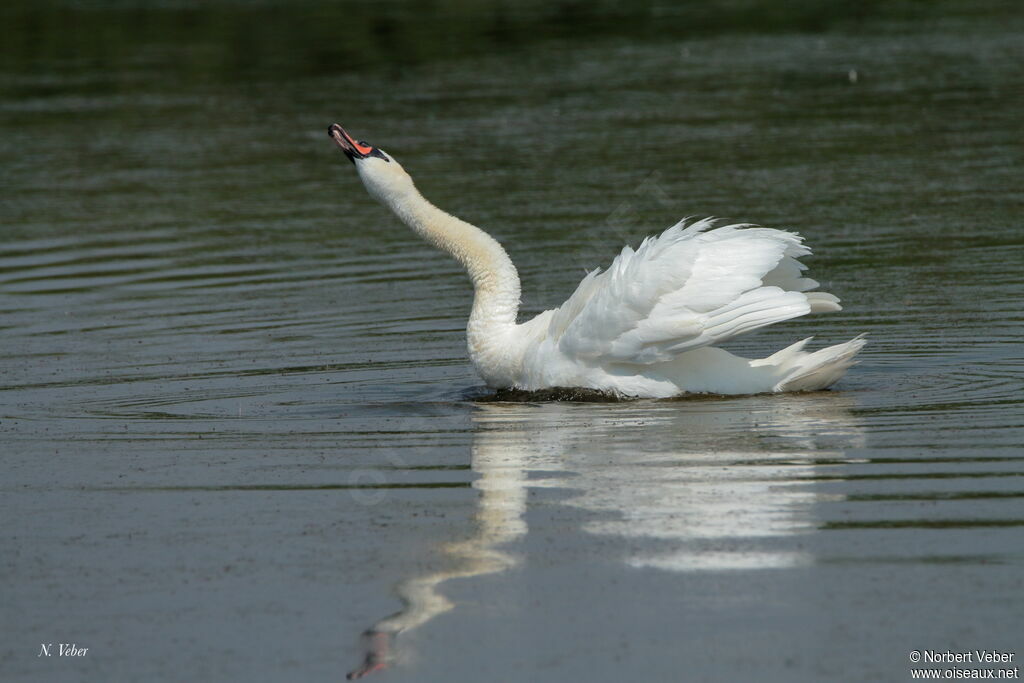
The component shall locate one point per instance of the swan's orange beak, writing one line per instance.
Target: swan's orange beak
(352, 149)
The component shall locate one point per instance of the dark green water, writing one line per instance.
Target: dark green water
(236, 416)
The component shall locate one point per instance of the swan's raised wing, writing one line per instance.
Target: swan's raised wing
(689, 287)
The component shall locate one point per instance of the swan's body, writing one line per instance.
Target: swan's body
(649, 325)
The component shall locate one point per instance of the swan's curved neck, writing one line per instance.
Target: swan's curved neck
(494, 276)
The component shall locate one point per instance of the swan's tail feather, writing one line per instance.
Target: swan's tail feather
(802, 371)
(822, 302)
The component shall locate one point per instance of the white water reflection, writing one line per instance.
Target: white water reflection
(692, 485)
(499, 520)
(704, 480)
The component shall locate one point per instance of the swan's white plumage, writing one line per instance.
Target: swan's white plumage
(646, 326)
(635, 327)
(687, 288)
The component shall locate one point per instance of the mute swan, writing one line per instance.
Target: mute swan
(646, 327)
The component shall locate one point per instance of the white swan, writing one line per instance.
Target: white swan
(646, 327)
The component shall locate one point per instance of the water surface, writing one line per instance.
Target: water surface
(239, 428)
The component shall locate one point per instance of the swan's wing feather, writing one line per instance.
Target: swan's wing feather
(567, 312)
(691, 286)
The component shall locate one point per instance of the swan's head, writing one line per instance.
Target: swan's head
(383, 177)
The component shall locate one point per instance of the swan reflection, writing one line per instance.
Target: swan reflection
(693, 485)
(502, 483)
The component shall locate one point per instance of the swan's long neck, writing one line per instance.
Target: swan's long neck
(494, 276)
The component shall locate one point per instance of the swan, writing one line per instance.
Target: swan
(650, 325)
